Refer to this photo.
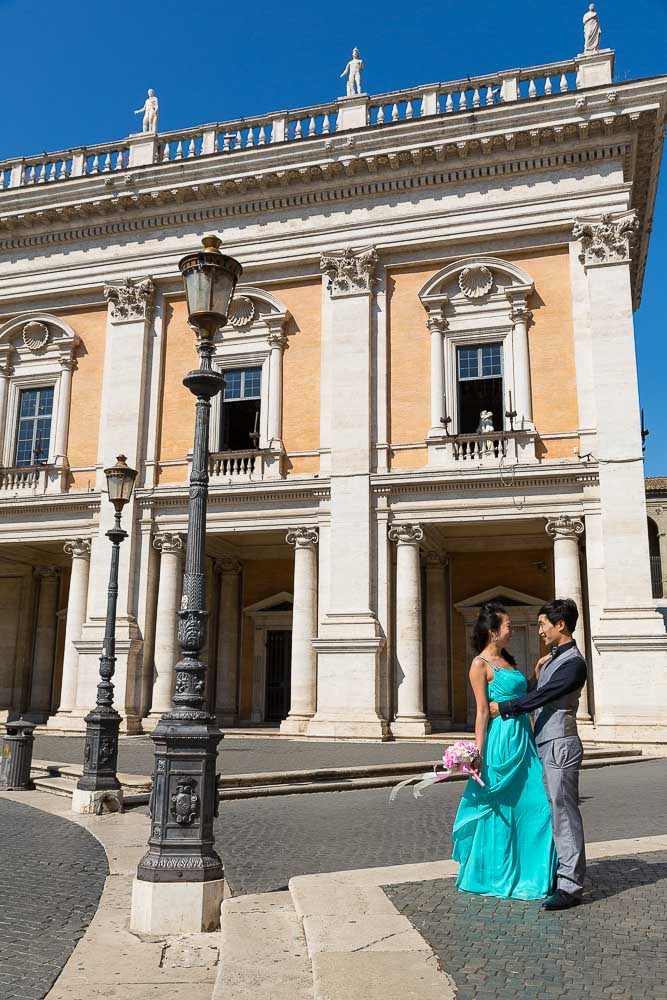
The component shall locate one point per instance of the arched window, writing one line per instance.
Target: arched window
(654, 555)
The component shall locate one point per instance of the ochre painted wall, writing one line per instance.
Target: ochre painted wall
(301, 381)
(262, 578)
(473, 573)
(84, 423)
(551, 342)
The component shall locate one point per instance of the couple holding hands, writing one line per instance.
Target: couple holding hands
(521, 835)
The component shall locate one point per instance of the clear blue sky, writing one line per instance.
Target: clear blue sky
(74, 71)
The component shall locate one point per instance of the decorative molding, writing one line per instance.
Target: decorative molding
(406, 534)
(475, 281)
(435, 560)
(607, 240)
(228, 565)
(436, 321)
(350, 272)
(168, 541)
(130, 299)
(302, 537)
(520, 313)
(78, 548)
(277, 339)
(241, 312)
(565, 526)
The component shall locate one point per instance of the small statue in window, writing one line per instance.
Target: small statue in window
(485, 425)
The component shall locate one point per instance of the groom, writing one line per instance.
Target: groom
(555, 701)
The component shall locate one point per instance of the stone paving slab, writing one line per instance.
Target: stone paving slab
(612, 946)
(52, 874)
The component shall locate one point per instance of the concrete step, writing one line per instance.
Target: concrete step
(55, 786)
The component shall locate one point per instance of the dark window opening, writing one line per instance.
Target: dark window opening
(34, 426)
(656, 561)
(480, 386)
(241, 409)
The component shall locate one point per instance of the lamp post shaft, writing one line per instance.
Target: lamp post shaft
(103, 723)
(184, 800)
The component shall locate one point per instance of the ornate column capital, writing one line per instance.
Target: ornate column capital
(46, 572)
(350, 272)
(607, 240)
(302, 537)
(435, 560)
(277, 339)
(520, 313)
(406, 534)
(6, 369)
(168, 541)
(78, 548)
(565, 526)
(228, 566)
(68, 364)
(130, 299)
(436, 321)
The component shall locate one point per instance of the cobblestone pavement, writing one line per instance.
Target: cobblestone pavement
(264, 842)
(51, 878)
(248, 756)
(612, 946)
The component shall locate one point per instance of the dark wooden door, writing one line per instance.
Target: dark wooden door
(278, 670)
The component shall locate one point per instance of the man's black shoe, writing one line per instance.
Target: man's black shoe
(561, 900)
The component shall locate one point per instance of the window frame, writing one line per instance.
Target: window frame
(477, 336)
(223, 362)
(19, 383)
(33, 420)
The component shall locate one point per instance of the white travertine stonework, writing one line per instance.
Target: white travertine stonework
(130, 299)
(607, 240)
(350, 272)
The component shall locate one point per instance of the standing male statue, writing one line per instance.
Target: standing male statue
(149, 111)
(353, 69)
(592, 30)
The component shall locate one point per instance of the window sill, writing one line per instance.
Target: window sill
(32, 480)
(482, 450)
(226, 468)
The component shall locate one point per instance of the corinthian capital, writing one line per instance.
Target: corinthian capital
(350, 272)
(130, 299)
(406, 534)
(565, 526)
(302, 538)
(607, 240)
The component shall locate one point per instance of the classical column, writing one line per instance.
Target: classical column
(349, 637)
(277, 343)
(410, 719)
(6, 372)
(566, 532)
(523, 404)
(68, 366)
(79, 550)
(303, 692)
(227, 680)
(437, 642)
(437, 325)
(170, 547)
(43, 656)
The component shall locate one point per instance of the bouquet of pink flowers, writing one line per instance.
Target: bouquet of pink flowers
(459, 758)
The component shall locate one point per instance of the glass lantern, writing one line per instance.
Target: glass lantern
(120, 482)
(210, 279)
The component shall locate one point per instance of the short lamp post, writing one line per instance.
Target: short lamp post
(180, 880)
(99, 781)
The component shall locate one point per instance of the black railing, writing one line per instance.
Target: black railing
(656, 576)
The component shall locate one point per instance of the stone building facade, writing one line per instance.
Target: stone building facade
(431, 401)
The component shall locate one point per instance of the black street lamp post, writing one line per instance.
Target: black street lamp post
(184, 800)
(102, 724)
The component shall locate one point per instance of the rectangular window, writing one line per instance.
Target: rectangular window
(240, 409)
(480, 386)
(34, 426)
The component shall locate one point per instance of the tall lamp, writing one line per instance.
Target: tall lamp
(180, 879)
(99, 780)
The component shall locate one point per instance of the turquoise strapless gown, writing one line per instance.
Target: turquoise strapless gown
(502, 833)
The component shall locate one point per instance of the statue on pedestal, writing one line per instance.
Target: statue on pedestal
(353, 72)
(149, 111)
(592, 30)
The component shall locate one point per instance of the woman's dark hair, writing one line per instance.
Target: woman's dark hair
(489, 620)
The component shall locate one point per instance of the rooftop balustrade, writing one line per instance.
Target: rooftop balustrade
(472, 94)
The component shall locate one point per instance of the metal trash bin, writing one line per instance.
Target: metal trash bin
(16, 757)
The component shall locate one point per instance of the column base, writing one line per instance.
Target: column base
(67, 722)
(348, 729)
(150, 722)
(87, 803)
(176, 907)
(402, 727)
(295, 725)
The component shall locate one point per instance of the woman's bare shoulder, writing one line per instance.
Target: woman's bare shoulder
(479, 665)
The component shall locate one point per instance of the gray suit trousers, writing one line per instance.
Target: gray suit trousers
(561, 759)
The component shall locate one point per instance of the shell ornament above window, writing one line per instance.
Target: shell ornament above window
(475, 281)
(35, 335)
(241, 311)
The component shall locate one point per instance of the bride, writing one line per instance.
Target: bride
(502, 832)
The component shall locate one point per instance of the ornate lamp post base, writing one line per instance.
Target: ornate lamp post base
(99, 782)
(176, 907)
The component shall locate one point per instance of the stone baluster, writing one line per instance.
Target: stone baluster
(77, 602)
(303, 691)
(43, 657)
(227, 680)
(410, 719)
(566, 532)
(170, 547)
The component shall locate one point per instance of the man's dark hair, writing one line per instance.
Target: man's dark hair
(561, 611)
